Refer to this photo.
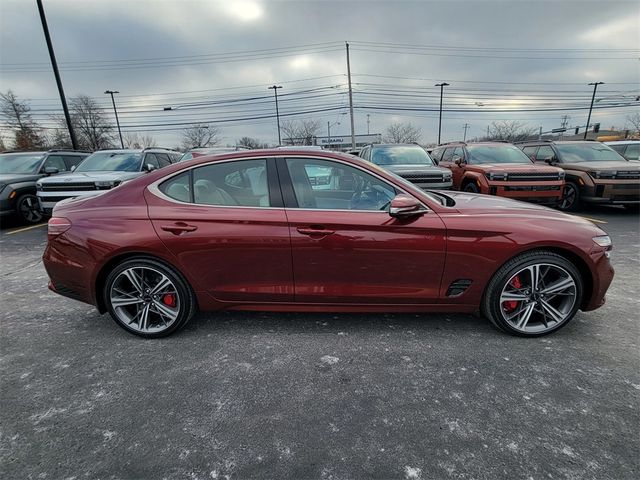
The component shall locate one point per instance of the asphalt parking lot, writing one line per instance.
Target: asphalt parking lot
(254, 395)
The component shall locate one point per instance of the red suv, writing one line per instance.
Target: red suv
(497, 168)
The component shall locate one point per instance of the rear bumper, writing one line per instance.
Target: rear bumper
(67, 278)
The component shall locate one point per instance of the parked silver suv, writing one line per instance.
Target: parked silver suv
(411, 162)
(99, 172)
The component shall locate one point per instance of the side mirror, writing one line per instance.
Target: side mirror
(149, 167)
(403, 206)
(458, 161)
(73, 168)
(51, 170)
(551, 160)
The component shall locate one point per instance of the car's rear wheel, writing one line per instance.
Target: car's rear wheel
(148, 298)
(533, 294)
(28, 209)
(471, 187)
(570, 201)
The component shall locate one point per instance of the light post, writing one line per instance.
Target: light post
(275, 93)
(441, 85)
(329, 125)
(595, 87)
(115, 111)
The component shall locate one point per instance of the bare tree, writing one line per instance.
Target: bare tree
(59, 138)
(634, 121)
(93, 129)
(252, 143)
(132, 140)
(402, 133)
(299, 132)
(510, 131)
(200, 135)
(2, 147)
(17, 115)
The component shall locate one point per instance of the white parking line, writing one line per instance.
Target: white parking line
(26, 228)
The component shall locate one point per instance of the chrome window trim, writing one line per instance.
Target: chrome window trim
(153, 187)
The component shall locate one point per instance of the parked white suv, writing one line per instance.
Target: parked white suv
(99, 172)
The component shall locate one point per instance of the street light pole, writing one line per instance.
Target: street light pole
(56, 73)
(441, 85)
(595, 87)
(465, 126)
(115, 111)
(367, 124)
(275, 93)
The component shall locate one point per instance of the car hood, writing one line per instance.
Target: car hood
(514, 167)
(91, 177)
(592, 166)
(477, 204)
(8, 178)
(423, 169)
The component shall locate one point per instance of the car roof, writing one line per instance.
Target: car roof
(621, 142)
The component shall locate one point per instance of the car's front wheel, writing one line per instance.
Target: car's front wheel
(28, 209)
(148, 298)
(533, 294)
(570, 201)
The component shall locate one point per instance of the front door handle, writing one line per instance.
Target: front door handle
(315, 232)
(179, 228)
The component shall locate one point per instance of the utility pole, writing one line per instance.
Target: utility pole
(115, 111)
(540, 133)
(487, 132)
(565, 122)
(56, 73)
(367, 124)
(275, 92)
(441, 85)
(595, 87)
(353, 134)
(329, 125)
(465, 126)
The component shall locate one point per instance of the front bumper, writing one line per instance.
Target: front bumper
(612, 192)
(48, 200)
(546, 193)
(7, 207)
(602, 276)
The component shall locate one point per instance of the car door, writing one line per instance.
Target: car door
(545, 154)
(231, 236)
(345, 246)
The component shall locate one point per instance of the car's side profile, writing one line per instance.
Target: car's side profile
(252, 231)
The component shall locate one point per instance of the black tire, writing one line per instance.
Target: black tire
(184, 298)
(28, 209)
(471, 187)
(492, 309)
(570, 201)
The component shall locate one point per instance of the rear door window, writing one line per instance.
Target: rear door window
(163, 159)
(150, 159)
(56, 161)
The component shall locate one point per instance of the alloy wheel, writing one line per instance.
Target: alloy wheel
(569, 197)
(145, 300)
(538, 298)
(29, 210)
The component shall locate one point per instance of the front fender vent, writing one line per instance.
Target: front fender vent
(458, 287)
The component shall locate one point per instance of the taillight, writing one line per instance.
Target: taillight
(57, 226)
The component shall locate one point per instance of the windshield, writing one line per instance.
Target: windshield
(496, 154)
(20, 162)
(590, 152)
(111, 162)
(401, 155)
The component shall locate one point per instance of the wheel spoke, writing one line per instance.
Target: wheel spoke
(144, 317)
(162, 284)
(135, 281)
(555, 315)
(526, 315)
(123, 302)
(559, 286)
(512, 297)
(534, 272)
(164, 310)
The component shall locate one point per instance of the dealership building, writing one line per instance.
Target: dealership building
(337, 142)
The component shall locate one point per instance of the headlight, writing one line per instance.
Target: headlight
(39, 187)
(605, 174)
(561, 175)
(446, 176)
(603, 241)
(497, 176)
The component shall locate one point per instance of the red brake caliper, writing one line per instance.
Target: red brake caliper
(511, 305)
(169, 299)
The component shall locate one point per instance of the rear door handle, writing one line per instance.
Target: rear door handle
(179, 228)
(315, 232)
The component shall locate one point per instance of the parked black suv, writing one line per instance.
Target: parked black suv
(595, 173)
(19, 172)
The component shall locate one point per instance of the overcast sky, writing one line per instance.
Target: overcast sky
(518, 56)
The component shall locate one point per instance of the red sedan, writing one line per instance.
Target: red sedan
(287, 230)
